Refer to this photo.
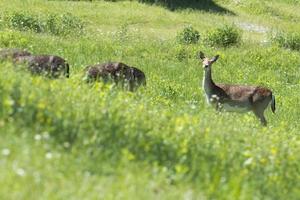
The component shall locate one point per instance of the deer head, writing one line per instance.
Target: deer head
(206, 61)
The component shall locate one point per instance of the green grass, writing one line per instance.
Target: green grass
(64, 139)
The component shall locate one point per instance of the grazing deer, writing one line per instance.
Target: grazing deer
(13, 53)
(236, 98)
(52, 66)
(118, 72)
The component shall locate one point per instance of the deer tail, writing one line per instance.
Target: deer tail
(67, 70)
(273, 104)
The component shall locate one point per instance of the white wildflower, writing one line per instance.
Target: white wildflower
(46, 135)
(5, 152)
(37, 137)
(66, 144)
(49, 155)
(248, 161)
(20, 172)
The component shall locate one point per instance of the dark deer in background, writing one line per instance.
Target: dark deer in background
(119, 72)
(49, 65)
(11, 54)
(238, 98)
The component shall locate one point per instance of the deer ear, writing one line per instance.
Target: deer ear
(201, 55)
(215, 58)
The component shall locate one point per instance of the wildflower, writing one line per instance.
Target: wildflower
(49, 155)
(66, 144)
(20, 172)
(5, 152)
(37, 137)
(248, 161)
(46, 135)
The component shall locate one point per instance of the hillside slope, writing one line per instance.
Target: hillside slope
(65, 139)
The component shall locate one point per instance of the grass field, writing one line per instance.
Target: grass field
(65, 139)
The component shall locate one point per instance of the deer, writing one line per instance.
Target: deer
(50, 65)
(13, 53)
(118, 72)
(235, 98)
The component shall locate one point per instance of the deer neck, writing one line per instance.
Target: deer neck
(208, 83)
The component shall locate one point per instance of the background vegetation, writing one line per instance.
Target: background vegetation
(64, 139)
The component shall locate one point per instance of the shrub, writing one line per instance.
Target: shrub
(181, 54)
(64, 24)
(25, 22)
(286, 40)
(224, 36)
(188, 35)
(70, 23)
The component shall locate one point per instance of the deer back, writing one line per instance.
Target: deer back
(52, 66)
(118, 72)
(13, 53)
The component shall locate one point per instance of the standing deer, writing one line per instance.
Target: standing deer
(236, 98)
(118, 72)
(52, 66)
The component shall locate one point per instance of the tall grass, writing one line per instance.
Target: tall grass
(65, 138)
(110, 125)
(286, 40)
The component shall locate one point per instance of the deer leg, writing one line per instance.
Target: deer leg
(261, 117)
(218, 106)
(214, 101)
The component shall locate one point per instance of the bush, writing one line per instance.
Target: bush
(69, 23)
(64, 24)
(287, 40)
(188, 35)
(181, 54)
(25, 22)
(224, 36)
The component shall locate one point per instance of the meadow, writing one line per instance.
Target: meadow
(66, 139)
